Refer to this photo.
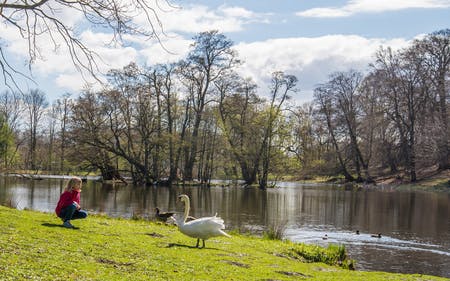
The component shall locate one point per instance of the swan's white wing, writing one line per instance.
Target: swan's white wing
(204, 228)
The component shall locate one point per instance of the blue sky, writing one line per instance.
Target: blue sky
(309, 39)
(286, 19)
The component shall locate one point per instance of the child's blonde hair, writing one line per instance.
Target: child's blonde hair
(74, 181)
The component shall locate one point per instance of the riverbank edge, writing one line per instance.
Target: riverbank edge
(437, 182)
(429, 179)
(34, 246)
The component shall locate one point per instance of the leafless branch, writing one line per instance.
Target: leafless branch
(36, 20)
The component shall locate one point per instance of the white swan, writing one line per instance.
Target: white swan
(201, 228)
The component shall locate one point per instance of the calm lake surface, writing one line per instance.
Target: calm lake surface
(415, 226)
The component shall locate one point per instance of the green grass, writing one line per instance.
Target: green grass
(33, 246)
(435, 185)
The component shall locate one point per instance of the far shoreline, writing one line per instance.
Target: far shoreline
(430, 179)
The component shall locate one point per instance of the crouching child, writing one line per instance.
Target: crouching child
(68, 207)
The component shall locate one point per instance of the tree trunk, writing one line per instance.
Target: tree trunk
(444, 139)
(344, 170)
(412, 157)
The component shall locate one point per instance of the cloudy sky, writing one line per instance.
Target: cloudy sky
(309, 39)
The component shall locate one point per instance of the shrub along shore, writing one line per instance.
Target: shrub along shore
(34, 246)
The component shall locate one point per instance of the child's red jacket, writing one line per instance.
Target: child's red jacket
(66, 199)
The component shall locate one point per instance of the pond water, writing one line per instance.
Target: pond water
(414, 226)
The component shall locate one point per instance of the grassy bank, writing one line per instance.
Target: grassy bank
(33, 246)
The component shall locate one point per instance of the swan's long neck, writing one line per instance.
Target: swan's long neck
(187, 204)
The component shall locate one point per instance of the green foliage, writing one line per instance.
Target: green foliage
(275, 231)
(6, 140)
(437, 185)
(332, 255)
(34, 246)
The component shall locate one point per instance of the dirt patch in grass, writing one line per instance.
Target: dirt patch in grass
(114, 263)
(238, 264)
(298, 274)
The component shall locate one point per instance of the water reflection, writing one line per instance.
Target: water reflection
(413, 224)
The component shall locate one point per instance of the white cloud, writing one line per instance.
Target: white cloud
(198, 18)
(114, 56)
(237, 12)
(312, 60)
(74, 81)
(170, 49)
(370, 6)
(59, 60)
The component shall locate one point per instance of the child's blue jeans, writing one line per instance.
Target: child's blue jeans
(71, 213)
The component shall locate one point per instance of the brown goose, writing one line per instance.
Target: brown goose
(162, 216)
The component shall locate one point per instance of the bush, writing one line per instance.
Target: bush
(332, 255)
(275, 232)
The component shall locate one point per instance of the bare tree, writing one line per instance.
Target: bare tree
(379, 136)
(11, 107)
(209, 60)
(35, 104)
(305, 137)
(44, 20)
(281, 88)
(52, 139)
(326, 110)
(345, 90)
(61, 114)
(160, 79)
(406, 97)
(208, 148)
(435, 49)
(239, 111)
(131, 111)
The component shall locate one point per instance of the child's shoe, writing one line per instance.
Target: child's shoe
(68, 224)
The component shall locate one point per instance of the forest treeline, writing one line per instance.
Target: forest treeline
(198, 119)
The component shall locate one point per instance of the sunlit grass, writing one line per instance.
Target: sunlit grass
(440, 185)
(33, 246)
